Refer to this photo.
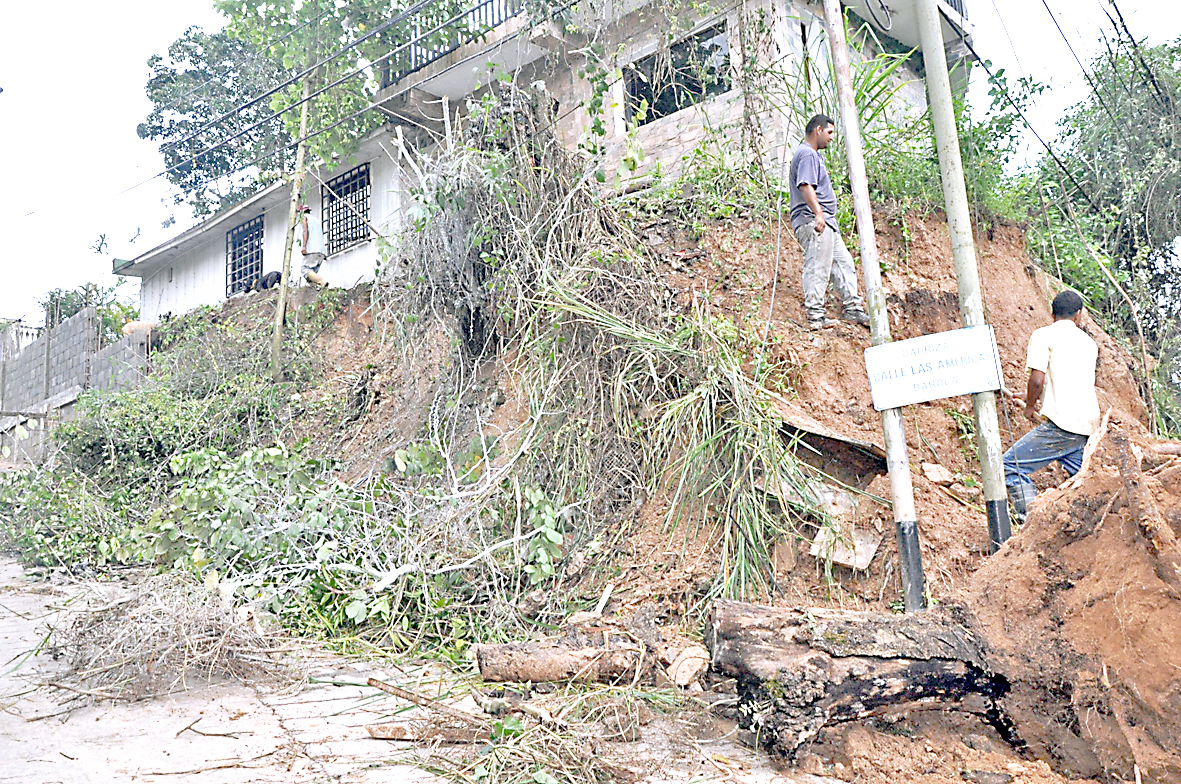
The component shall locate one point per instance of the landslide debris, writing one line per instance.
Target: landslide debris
(1083, 615)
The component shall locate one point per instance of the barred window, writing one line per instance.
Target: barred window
(243, 256)
(346, 209)
(692, 70)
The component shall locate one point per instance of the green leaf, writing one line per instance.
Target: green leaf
(356, 610)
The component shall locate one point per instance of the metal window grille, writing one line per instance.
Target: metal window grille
(243, 256)
(958, 6)
(345, 201)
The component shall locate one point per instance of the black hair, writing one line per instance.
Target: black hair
(819, 121)
(1066, 304)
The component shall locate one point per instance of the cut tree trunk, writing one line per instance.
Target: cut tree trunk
(800, 670)
(558, 660)
(590, 649)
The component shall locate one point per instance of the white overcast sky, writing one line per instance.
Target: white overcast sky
(73, 93)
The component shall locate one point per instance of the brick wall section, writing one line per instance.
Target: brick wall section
(120, 365)
(74, 364)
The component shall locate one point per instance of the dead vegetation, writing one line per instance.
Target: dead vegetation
(165, 634)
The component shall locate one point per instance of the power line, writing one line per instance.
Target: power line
(402, 16)
(1021, 114)
(1083, 68)
(351, 74)
(1164, 99)
(172, 104)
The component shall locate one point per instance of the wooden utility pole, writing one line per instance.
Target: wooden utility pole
(906, 527)
(963, 248)
(292, 218)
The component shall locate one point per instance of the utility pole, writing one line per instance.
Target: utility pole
(959, 222)
(292, 215)
(906, 527)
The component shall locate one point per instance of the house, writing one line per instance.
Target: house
(679, 87)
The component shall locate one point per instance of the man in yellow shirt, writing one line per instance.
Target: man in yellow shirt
(1061, 361)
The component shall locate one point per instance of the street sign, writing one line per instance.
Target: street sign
(944, 364)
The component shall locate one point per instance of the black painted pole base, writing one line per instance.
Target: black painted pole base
(999, 528)
(911, 563)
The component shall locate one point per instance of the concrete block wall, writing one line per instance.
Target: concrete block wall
(24, 377)
(48, 375)
(73, 343)
(120, 365)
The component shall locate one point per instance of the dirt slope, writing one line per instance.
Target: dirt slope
(1084, 610)
(1050, 602)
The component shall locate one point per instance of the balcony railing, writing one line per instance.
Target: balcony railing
(438, 29)
(958, 7)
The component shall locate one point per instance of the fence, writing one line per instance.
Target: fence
(42, 380)
(436, 29)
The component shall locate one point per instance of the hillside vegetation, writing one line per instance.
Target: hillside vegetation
(550, 396)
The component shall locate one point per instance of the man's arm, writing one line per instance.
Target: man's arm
(809, 194)
(1033, 392)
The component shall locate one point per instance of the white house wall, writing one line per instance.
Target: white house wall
(188, 281)
(198, 276)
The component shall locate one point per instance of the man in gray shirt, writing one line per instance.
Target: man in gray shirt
(814, 219)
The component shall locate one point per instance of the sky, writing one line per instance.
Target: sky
(73, 92)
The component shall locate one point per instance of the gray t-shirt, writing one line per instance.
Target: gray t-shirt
(807, 168)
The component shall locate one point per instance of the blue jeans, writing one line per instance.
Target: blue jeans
(1035, 450)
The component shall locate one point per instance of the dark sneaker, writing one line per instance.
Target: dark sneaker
(857, 317)
(822, 323)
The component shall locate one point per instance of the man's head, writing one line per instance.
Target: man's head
(1067, 305)
(819, 131)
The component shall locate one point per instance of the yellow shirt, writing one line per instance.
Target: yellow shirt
(1067, 356)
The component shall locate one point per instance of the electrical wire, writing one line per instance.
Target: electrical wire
(237, 63)
(402, 16)
(1005, 90)
(351, 74)
(889, 20)
(1083, 68)
(1163, 98)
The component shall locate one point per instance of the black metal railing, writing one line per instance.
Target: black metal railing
(438, 29)
(958, 7)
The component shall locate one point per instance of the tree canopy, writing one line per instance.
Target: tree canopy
(204, 77)
(1122, 148)
(61, 304)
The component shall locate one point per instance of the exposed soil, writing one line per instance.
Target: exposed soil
(1080, 606)
(1045, 623)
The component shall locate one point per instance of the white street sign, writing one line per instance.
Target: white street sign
(944, 364)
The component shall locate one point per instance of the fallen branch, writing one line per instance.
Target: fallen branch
(426, 702)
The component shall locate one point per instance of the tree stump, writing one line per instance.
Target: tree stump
(800, 670)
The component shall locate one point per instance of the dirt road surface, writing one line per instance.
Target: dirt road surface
(242, 734)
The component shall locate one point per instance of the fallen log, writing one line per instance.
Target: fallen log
(564, 660)
(800, 670)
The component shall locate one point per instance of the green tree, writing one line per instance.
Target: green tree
(204, 77)
(1122, 147)
(61, 304)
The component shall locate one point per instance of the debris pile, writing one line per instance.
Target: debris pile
(1082, 615)
(164, 633)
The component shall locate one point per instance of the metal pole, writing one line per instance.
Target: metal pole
(963, 248)
(906, 528)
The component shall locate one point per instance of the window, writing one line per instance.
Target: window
(346, 209)
(691, 71)
(243, 256)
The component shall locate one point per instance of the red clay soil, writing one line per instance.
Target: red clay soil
(1082, 611)
(1075, 606)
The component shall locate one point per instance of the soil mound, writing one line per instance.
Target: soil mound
(1083, 608)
